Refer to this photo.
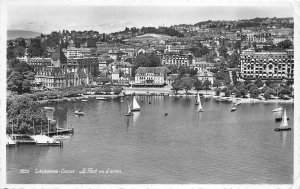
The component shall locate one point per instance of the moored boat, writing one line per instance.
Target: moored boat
(101, 98)
(233, 108)
(79, 112)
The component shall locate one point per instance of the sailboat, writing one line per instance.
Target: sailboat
(135, 105)
(129, 113)
(284, 126)
(198, 99)
(233, 108)
(200, 105)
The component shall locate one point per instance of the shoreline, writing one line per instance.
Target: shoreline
(160, 92)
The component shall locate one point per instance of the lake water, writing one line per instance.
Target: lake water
(212, 147)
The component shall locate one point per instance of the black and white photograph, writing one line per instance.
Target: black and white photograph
(141, 93)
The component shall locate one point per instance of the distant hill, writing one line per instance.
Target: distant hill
(13, 34)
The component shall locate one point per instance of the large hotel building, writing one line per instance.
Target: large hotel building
(264, 65)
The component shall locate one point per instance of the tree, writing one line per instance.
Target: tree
(247, 82)
(10, 51)
(258, 83)
(22, 112)
(227, 93)
(176, 86)
(234, 59)
(255, 93)
(104, 80)
(206, 85)
(130, 60)
(217, 92)
(21, 79)
(36, 49)
(145, 60)
(230, 87)
(117, 90)
(285, 92)
(286, 44)
(187, 83)
(267, 95)
(223, 51)
(271, 91)
(227, 81)
(198, 85)
(217, 83)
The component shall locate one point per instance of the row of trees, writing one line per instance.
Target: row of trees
(22, 114)
(187, 83)
(71, 92)
(269, 88)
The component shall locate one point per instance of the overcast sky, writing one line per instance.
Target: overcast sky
(115, 18)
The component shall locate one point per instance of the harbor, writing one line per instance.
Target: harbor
(167, 133)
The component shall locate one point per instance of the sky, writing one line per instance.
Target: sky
(106, 19)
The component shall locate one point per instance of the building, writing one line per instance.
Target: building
(79, 71)
(151, 76)
(177, 59)
(201, 65)
(79, 52)
(123, 67)
(206, 75)
(275, 65)
(60, 71)
(280, 38)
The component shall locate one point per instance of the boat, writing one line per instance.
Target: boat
(198, 99)
(61, 137)
(278, 109)
(101, 98)
(166, 114)
(284, 126)
(135, 105)
(199, 106)
(129, 113)
(84, 100)
(277, 119)
(49, 108)
(79, 112)
(233, 108)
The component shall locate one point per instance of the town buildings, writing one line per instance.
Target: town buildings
(151, 76)
(60, 71)
(176, 59)
(264, 65)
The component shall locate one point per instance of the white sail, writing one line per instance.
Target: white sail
(284, 122)
(135, 105)
(200, 105)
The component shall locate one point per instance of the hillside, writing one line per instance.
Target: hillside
(13, 34)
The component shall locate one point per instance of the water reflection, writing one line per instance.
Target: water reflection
(283, 135)
(135, 117)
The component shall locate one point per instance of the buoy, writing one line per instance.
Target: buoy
(149, 102)
(166, 114)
